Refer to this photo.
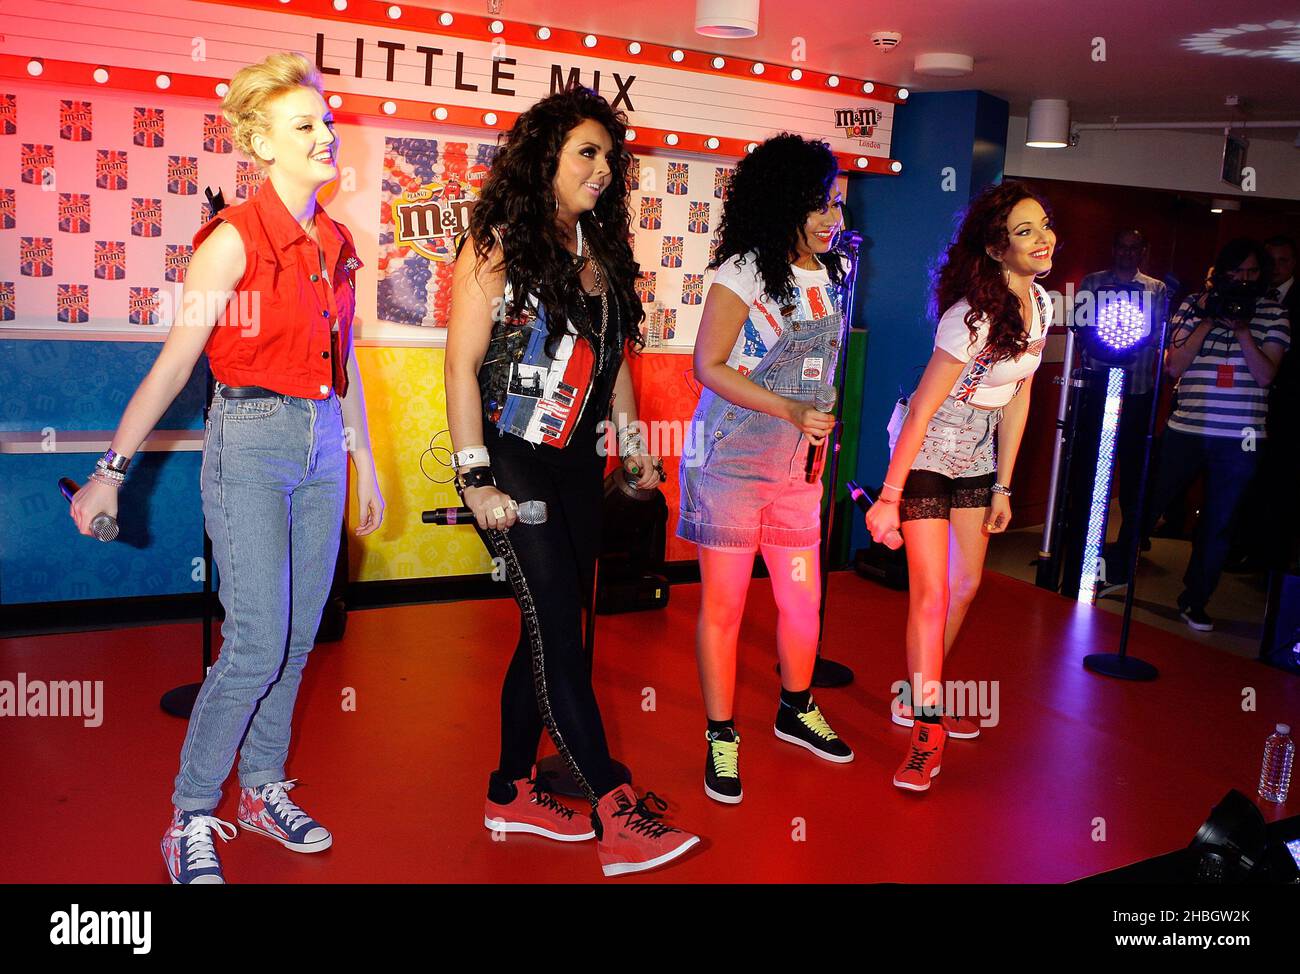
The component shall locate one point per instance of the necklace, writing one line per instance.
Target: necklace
(598, 279)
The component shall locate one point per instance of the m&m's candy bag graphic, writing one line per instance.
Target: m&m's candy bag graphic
(697, 218)
(36, 256)
(6, 300)
(183, 175)
(110, 260)
(677, 178)
(142, 305)
(692, 288)
(216, 134)
(645, 287)
(248, 176)
(147, 128)
(672, 252)
(176, 258)
(146, 217)
(36, 164)
(74, 212)
(721, 180)
(8, 209)
(8, 114)
(652, 212)
(110, 169)
(74, 120)
(72, 302)
(668, 324)
(633, 173)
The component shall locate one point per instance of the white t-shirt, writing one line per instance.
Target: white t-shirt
(998, 383)
(813, 299)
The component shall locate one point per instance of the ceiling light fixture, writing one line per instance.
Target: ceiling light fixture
(726, 18)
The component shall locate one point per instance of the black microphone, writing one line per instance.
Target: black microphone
(824, 400)
(104, 526)
(530, 512)
(894, 540)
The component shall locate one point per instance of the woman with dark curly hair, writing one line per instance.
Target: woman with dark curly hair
(769, 338)
(543, 306)
(946, 484)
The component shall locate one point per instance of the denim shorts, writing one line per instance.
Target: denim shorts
(743, 480)
(960, 441)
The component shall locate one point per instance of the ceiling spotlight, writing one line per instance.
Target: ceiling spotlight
(445, 19)
(902, 94)
(340, 5)
(861, 162)
(389, 107)
(751, 146)
(394, 12)
(543, 33)
(833, 81)
(336, 101)
(100, 75)
(589, 40)
(489, 118)
(719, 63)
(941, 65)
(634, 47)
(440, 113)
(671, 138)
(895, 166)
(629, 135)
(868, 87)
(496, 27)
(222, 89)
(726, 18)
(678, 56)
(712, 142)
(757, 67)
(1049, 124)
(35, 67)
(795, 74)
(163, 81)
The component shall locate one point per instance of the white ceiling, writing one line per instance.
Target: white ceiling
(1023, 49)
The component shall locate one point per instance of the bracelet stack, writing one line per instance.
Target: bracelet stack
(110, 469)
(1002, 489)
(630, 442)
(474, 477)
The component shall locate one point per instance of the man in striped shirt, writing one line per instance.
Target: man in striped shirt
(1224, 366)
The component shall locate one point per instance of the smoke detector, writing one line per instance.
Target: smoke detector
(886, 40)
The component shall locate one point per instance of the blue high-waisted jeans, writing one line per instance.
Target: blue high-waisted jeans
(274, 484)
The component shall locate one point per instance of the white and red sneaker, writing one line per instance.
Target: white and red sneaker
(188, 851)
(536, 810)
(268, 810)
(633, 837)
(961, 728)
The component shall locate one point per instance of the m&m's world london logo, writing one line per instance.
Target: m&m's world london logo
(74, 121)
(857, 123)
(428, 218)
(146, 217)
(110, 169)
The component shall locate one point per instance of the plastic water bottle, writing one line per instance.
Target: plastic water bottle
(1275, 774)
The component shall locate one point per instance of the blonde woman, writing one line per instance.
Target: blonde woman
(274, 280)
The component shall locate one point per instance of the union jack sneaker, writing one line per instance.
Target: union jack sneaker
(961, 728)
(809, 729)
(534, 809)
(924, 757)
(632, 837)
(268, 810)
(187, 848)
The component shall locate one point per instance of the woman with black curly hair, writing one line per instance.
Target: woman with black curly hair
(769, 337)
(543, 305)
(947, 486)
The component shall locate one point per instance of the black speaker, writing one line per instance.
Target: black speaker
(1280, 646)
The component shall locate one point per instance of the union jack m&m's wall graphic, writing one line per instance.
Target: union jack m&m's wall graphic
(147, 127)
(678, 178)
(721, 180)
(36, 256)
(6, 300)
(176, 258)
(142, 305)
(146, 217)
(668, 324)
(645, 287)
(652, 213)
(75, 121)
(110, 169)
(110, 259)
(8, 209)
(74, 212)
(72, 303)
(248, 176)
(697, 220)
(216, 134)
(36, 163)
(633, 173)
(8, 114)
(692, 288)
(672, 252)
(182, 175)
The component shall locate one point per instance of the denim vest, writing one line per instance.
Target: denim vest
(804, 357)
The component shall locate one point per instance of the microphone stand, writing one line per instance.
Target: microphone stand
(828, 672)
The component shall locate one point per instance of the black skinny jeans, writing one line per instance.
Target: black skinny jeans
(551, 568)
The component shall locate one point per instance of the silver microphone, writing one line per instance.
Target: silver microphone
(532, 512)
(103, 526)
(824, 399)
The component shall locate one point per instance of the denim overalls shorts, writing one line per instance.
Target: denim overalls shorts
(742, 476)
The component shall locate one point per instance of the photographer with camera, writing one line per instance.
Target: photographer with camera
(1224, 349)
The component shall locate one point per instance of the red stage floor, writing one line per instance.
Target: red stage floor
(401, 779)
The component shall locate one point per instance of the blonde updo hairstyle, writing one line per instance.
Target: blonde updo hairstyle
(255, 87)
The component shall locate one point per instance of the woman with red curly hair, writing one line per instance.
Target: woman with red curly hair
(947, 484)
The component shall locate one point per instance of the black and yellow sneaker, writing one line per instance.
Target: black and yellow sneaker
(722, 766)
(809, 729)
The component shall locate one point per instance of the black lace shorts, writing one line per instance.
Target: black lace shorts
(928, 494)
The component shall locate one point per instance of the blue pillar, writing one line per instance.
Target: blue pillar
(952, 145)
